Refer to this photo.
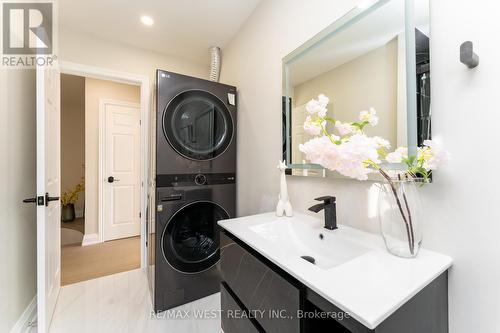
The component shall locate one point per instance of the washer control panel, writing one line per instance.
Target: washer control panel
(197, 179)
(200, 179)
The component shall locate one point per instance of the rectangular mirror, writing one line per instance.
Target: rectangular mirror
(377, 55)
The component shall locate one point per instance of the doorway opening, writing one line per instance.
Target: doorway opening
(101, 177)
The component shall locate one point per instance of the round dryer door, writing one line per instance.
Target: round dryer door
(190, 240)
(198, 125)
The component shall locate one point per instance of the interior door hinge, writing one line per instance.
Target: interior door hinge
(140, 215)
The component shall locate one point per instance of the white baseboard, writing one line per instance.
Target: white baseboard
(27, 317)
(90, 239)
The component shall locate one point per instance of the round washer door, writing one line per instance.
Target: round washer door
(198, 125)
(190, 241)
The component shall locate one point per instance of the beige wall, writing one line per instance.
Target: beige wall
(94, 91)
(18, 181)
(73, 135)
(460, 208)
(91, 50)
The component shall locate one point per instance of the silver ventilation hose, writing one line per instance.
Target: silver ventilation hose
(215, 63)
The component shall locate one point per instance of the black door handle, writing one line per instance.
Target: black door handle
(39, 201)
(112, 179)
(48, 199)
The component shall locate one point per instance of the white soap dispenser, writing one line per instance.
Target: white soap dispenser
(283, 207)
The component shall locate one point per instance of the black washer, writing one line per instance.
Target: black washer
(190, 241)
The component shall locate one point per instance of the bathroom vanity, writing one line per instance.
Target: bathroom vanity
(290, 274)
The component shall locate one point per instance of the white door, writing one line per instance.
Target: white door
(121, 204)
(48, 189)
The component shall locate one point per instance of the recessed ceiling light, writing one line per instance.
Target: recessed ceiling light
(147, 20)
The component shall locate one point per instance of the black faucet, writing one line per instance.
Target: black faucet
(330, 211)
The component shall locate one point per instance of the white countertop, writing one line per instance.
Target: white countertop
(369, 287)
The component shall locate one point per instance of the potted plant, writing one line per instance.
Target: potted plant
(354, 154)
(68, 200)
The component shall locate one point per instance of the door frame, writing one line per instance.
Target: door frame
(145, 85)
(101, 159)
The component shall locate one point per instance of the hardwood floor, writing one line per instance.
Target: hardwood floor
(81, 263)
(78, 224)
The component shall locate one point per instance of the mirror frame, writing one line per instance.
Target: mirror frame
(354, 15)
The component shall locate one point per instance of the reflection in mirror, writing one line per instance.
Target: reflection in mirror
(423, 74)
(360, 62)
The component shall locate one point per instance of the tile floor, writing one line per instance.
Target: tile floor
(121, 303)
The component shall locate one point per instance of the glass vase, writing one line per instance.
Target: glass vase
(399, 210)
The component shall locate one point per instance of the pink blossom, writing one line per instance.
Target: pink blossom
(348, 158)
(344, 128)
(312, 127)
(318, 106)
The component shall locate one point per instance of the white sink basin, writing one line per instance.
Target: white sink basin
(352, 269)
(299, 238)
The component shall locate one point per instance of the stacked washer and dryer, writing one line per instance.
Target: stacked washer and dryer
(195, 186)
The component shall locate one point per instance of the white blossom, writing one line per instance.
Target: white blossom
(312, 127)
(318, 106)
(312, 106)
(381, 142)
(398, 155)
(433, 155)
(344, 128)
(370, 116)
(323, 100)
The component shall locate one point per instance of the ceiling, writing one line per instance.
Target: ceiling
(182, 28)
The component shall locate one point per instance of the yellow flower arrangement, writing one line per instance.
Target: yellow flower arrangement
(71, 196)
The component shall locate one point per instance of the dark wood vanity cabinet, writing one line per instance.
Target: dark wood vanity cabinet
(258, 296)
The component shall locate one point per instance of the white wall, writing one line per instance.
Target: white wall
(87, 49)
(17, 181)
(462, 216)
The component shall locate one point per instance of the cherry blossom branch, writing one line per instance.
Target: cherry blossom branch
(398, 202)
(412, 231)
